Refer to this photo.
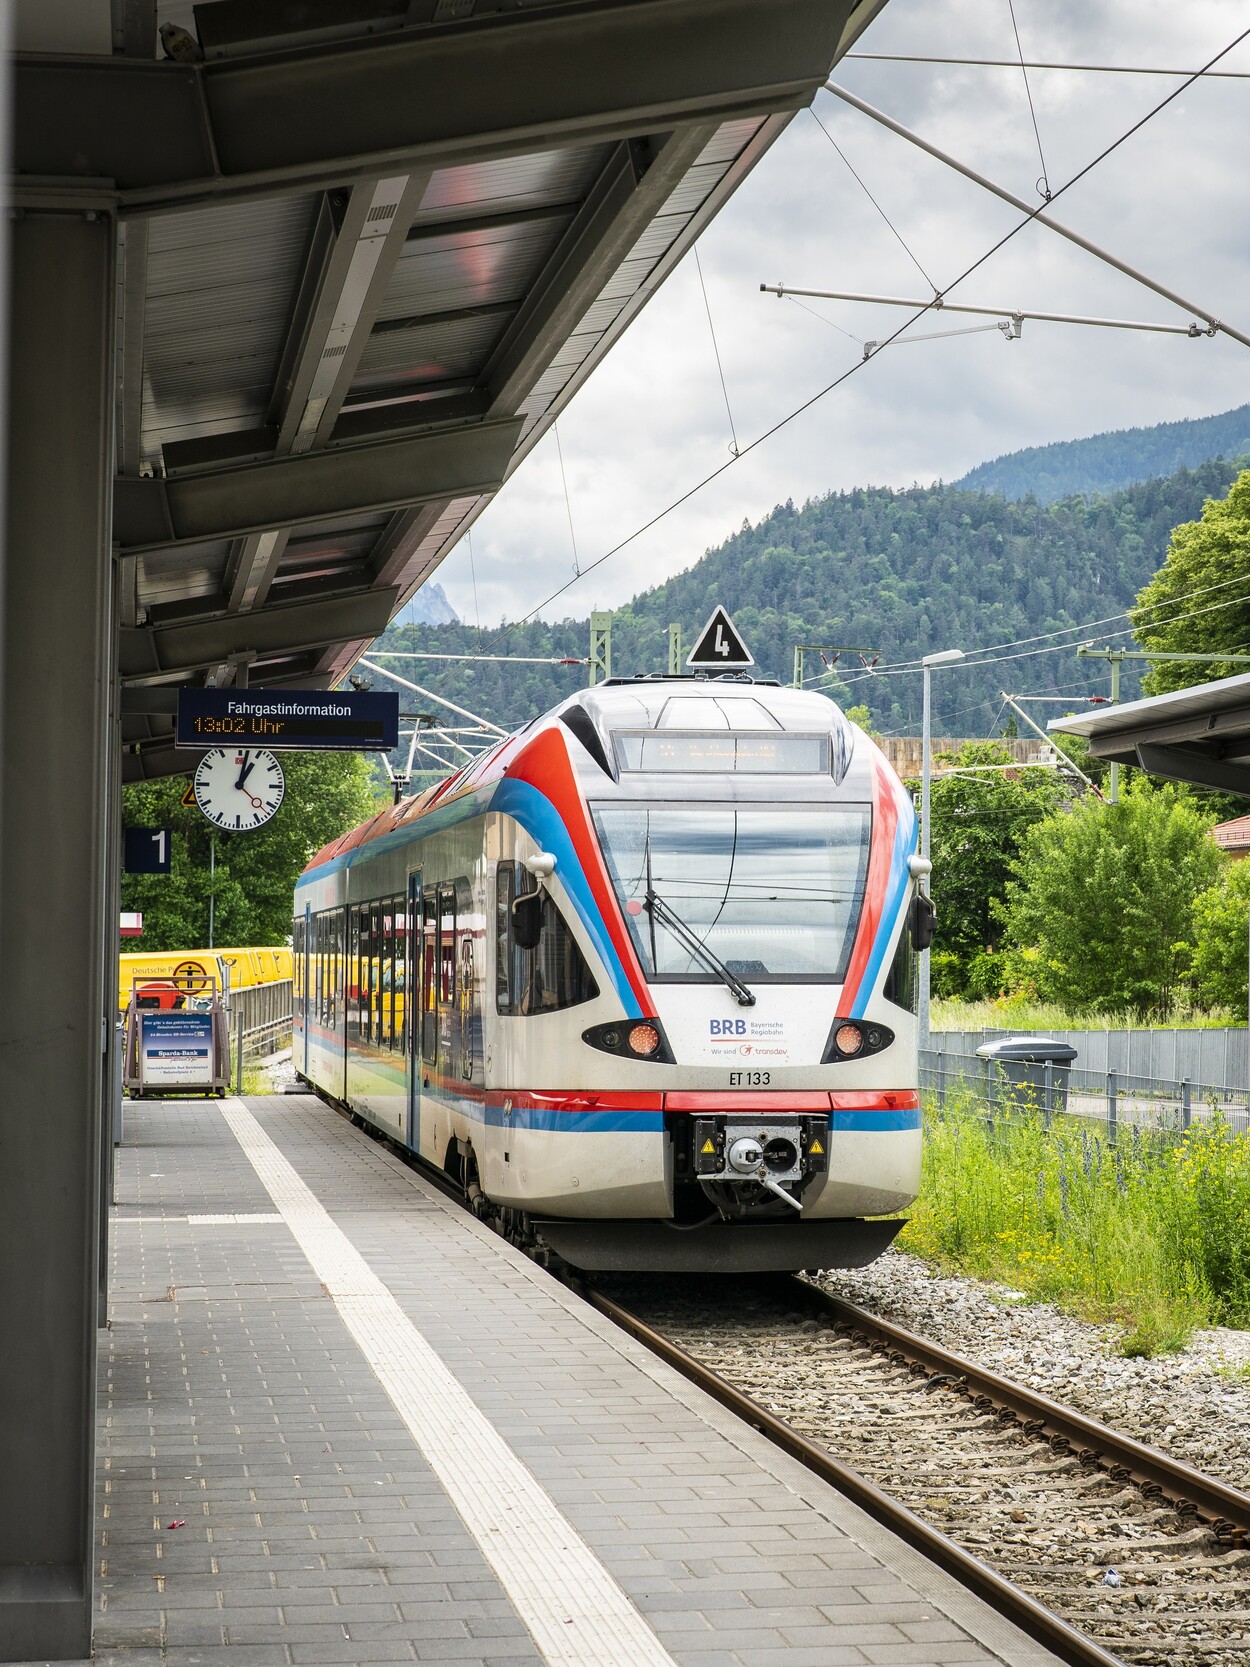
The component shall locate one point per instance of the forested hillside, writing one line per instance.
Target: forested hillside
(904, 572)
(1109, 462)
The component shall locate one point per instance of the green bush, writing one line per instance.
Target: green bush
(1152, 1234)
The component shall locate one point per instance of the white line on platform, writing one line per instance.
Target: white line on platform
(230, 1220)
(575, 1611)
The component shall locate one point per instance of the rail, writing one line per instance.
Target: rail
(1031, 1617)
(1158, 1475)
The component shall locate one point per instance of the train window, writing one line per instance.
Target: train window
(775, 892)
(900, 981)
(446, 946)
(466, 973)
(552, 976)
(386, 947)
(505, 892)
(399, 973)
(353, 975)
(429, 977)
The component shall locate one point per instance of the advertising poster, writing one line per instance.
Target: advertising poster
(177, 1050)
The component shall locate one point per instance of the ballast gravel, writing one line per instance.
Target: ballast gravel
(1194, 1405)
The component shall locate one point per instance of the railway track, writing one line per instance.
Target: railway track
(1102, 1548)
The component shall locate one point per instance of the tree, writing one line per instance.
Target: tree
(978, 822)
(1208, 552)
(1221, 924)
(1100, 906)
(254, 880)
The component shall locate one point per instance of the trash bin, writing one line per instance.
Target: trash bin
(1017, 1072)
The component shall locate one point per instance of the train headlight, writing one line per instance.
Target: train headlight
(848, 1040)
(644, 1040)
(635, 1039)
(851, 1039)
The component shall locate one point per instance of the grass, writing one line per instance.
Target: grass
(1024, 1013)
(1151, 1235)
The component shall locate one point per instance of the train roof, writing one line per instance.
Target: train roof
(630, 704)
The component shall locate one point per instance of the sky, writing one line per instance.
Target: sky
(1174, 201)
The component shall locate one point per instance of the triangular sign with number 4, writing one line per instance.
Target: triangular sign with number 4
(719, 645)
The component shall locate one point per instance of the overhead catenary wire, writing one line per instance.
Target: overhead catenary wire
(853, 370)
(1043, 63)
(720, 369)
(1213, 322)
(568, 505)
(898, 667)
(903, 244)
(1043, 184)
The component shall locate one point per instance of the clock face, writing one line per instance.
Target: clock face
(239, 788)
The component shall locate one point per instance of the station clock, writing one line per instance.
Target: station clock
(239, 788)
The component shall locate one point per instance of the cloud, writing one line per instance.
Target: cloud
(652, 422)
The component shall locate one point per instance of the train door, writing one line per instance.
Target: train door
(414, 985)
(448, 1012)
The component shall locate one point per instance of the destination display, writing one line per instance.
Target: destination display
(296, 720)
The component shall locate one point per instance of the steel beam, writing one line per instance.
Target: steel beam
(312, 487)
(157, 651)
(339, 111)
(56, 605)
(635, 183)
(1184, 764)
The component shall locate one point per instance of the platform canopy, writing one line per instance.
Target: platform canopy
(1199, 735)
(369, 250)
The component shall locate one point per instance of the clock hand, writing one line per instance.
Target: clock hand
(245, 772)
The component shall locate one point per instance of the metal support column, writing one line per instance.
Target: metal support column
(600, 648)
(57, 761)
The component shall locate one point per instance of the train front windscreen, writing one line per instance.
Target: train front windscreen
(773, 893)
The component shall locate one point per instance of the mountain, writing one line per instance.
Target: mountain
(430, 607)
(1108, 462)
(899, 572)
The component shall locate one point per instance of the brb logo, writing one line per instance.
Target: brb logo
(727, 1027)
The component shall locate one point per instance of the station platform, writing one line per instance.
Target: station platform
(341, 1421)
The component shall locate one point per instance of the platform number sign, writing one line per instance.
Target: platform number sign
(148, 851)
(719, 647)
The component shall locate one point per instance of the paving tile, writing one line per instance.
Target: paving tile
(318, 1535)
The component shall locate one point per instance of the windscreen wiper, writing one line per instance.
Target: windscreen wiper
(658, 909)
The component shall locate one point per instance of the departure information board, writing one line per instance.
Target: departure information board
(291, 720)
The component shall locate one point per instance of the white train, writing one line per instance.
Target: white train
(640, 979)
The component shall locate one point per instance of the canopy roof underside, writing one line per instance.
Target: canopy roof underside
(369, 250)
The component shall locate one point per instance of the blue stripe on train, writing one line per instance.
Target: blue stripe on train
(879, 1122)
(574, 1122)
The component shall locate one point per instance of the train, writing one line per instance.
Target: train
(168, 971)
(639, 981)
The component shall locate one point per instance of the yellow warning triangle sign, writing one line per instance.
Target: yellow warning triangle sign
(188, 797)
(816, 1149)
(707, 1146)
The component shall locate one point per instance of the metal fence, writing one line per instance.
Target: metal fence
(1114, 1099)
(1213, 1056)
(260, 1025)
